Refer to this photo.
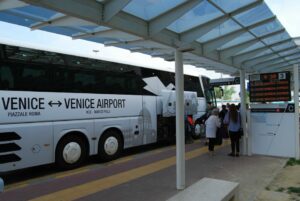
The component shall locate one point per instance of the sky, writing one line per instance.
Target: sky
(287, 11)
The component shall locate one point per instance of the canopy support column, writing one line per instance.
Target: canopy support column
(180, 152)
(243, 111)
(296, 101)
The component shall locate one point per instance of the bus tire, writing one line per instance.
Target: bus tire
(196, 134)
(71, 152)
(110, 145)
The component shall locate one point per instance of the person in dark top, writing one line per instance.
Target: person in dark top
(228, 106)
(223, 128)
(223, 112)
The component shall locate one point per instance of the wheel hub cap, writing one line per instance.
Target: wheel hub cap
(111, 145)
(72, 152)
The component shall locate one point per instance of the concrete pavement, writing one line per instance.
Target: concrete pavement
(149, 177)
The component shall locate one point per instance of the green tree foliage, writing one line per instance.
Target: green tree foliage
(228, 92)
(218, 92)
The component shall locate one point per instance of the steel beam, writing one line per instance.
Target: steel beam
(274, 61)
(231, 51)
(165, 19)
(146, 50)
(106, 33)
(195, 33)
(283, 62)
(256, 60)
(126, 44)
(280, 65)
(198, 31)
(222, 40)
(54, 19)
(112, 8)
(9, 4)
(250, 54)
(92, 11)
(241, 9)
(89, 10)
(236, 21)
(62, 20)
(25, 15)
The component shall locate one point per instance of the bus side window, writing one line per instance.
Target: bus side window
(84, 82)
(133, 82)
(61, 80)
(6, 78)
(34, 79)
(192, 83)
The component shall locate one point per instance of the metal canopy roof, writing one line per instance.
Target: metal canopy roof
(220, 35)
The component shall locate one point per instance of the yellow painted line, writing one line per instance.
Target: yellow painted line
(15, 186)
(73, 172)
(24, 183)
(55, 175)
(158, 151)
(108, 182)
(121, 160)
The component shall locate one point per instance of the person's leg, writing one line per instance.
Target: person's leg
(213, 143)
(237, 145)
(210, 144)
(232, 144)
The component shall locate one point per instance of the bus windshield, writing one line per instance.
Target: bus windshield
(209, 91)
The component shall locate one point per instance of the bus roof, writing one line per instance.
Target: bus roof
(69, 51)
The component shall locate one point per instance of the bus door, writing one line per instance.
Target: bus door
(137, 130)
(149, 119)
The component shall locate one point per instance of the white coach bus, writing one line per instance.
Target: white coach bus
(61, 108)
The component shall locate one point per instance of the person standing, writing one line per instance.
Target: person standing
(223, 112)
(208, 112)
(189, 123)
(228, 106)
(233, 120)
(223, 129)
(212, 124)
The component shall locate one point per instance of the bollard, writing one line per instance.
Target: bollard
(1, 185)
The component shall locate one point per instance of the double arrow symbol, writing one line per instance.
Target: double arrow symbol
(54, 103)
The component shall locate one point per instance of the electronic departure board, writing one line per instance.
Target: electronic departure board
(270, 87)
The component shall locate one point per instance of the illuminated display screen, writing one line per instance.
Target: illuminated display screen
(270, 87)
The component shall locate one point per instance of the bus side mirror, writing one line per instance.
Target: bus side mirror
(222, 91)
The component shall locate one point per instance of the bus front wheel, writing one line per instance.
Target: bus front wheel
(71, 151)
(110, 145)
(198, 131)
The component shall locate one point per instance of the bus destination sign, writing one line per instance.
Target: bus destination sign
(270, 87)
(224, 81)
